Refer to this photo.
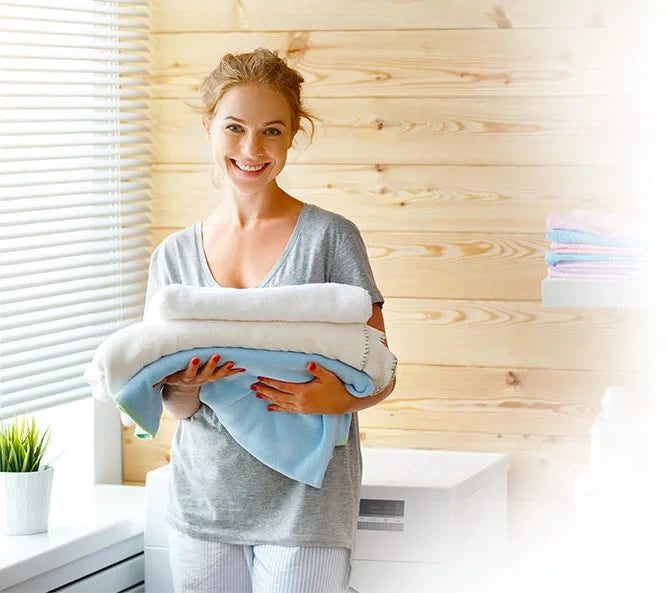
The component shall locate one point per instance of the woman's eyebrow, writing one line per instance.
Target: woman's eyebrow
(275, 121)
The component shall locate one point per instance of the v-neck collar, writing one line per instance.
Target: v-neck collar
(208, 274)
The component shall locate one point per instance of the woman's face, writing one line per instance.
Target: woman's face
(263, 137)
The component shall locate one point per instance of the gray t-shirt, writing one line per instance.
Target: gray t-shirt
(219, 491)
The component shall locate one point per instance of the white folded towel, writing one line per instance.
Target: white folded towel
(125, 352)
(331, 302)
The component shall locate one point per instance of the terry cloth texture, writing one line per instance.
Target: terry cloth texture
(328, 301)
(218, 491)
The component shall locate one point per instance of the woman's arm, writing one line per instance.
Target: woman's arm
(180, 402)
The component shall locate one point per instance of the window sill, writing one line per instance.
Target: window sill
(81, 525)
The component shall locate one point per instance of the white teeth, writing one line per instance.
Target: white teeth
(249, 167)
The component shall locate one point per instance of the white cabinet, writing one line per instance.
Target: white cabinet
(94, 545)
(428, 520)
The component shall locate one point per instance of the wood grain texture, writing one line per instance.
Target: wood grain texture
(251, 15)
(424, 63)
(482, 199)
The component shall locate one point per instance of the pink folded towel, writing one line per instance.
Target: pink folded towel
(594, 270)
(597, 221)
(587, 248)
(618, 266)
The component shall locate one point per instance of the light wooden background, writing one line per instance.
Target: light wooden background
(450, 130)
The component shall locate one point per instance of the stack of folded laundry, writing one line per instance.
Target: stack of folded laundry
(595, 243)
(271, 332)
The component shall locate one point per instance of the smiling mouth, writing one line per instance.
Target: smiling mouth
(258, 171)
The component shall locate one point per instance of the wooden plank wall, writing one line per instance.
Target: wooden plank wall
(449, 131)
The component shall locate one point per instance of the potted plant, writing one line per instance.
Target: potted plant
(25, 488)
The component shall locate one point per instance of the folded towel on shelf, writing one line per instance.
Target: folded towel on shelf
(593, 273)
(555, 257)
(597, 265)
(601, 222)
(579, 237)
(297, 445)
(583, 248)
(332, 302)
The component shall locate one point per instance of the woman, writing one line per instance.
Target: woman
(237, 525)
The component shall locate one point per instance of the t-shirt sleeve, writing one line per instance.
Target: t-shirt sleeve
(158, 275)
(350, 264)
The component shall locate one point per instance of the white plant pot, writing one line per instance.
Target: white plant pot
(25, 499)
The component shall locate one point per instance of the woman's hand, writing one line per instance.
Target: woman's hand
(193, 376)
(325, 394)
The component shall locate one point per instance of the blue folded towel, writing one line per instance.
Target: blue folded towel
(555, 257)
(568, 236)
(296, 445)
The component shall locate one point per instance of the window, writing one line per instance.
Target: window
(74, 193)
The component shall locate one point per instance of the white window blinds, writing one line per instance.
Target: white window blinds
(74, 192)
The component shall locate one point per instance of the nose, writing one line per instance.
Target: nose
(252, 145)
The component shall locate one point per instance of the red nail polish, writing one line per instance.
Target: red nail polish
(253, 387)
(195, 361)
(312, 366)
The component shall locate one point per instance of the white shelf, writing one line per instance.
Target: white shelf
(596, 292)
(93, 528)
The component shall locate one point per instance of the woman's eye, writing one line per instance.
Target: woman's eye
(268, 129)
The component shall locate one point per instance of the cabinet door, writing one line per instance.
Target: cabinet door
(115, 579)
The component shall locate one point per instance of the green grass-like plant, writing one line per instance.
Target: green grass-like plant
(21, 448)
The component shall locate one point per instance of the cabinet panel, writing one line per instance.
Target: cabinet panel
(114, 579)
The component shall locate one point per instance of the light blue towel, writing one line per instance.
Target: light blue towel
(555, 257)
(569, 236)
(296, 445)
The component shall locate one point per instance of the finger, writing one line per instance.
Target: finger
(212, 362)
(225, 370)
(208, 370)
(191, 370)
(276, 408)
(274, 395)
(283, 386)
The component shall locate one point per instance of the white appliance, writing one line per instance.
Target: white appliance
(429, 521)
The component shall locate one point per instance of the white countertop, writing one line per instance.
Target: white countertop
(80, 524)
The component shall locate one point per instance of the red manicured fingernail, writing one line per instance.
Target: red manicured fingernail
(253, 387)
(216, 357)
(195, 361)
(312, 366)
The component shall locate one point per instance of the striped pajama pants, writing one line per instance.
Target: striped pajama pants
(202, 566)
